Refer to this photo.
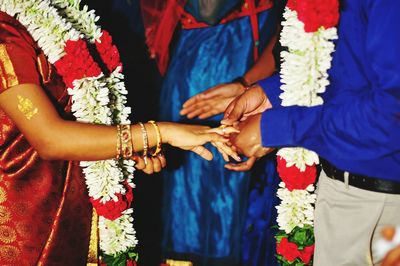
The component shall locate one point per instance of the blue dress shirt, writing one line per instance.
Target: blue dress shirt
(358, 127)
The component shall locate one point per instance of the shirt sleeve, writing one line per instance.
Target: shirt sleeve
(271, 87)
(366, 125)
(17, 58)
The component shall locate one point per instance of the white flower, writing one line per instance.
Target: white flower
(304, 76)
(299, 157)
(83, 19)
(119, 235)
(305, 64)
(296, 208)
(98, 100)
(103, 179)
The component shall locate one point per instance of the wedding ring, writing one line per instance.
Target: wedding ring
(223, 128)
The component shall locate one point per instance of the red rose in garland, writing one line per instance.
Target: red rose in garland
(316, 13)
(293, 177)
(287, 249)
(108, 52)
(306, 254)
(113, 209)
(76, 63)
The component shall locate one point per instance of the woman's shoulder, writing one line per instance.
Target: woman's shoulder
(18, 54)
(11, 31)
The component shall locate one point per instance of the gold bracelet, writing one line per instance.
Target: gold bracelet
(159, 140)
(126, 141)
(145, 142)
(118, 142)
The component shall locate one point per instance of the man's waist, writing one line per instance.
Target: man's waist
(361, 181)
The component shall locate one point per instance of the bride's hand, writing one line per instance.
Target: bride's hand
(193, 137)
(149, 164)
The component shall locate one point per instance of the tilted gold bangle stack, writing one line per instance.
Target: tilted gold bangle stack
(125, 147)
(158, 148)
(145, 142)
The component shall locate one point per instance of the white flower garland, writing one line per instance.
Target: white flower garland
(304, 75)
(99, 100)
(296, 208)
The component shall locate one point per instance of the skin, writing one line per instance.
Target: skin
(252, 102)
(216, 100)
(57, 139)
(248, 142)
(393, 257)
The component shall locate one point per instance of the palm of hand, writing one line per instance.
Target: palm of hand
(212, 101)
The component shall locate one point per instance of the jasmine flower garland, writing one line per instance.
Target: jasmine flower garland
(97, 98)
(308, 33)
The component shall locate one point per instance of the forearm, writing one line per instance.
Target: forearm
(69, 140)
(55, 138)
(359, 127)
(264, 66)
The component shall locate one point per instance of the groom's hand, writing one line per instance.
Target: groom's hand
(248, 141)
(253, 101)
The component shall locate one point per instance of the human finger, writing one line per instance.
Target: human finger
(224, 130)
(208, 114)
(205, 95)
(192, 100)
(243, 166)
(149, 169)
(156, 164)
(193, 107)
(228, 151)
(203, 152)
(162, 159)
(229, 110)
(139, 162)
(224, 155)
(198, 111)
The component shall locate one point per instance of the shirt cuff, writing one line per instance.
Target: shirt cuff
(292, 126)
(272, 88)
(276, 128)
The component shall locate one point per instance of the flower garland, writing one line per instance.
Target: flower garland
(96, 98)
(308, 33)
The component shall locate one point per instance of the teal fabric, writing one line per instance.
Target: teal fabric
(205, 204)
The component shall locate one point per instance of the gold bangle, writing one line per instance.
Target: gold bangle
(126, 141)
(118, 142)
(159, 140)
(145, 141)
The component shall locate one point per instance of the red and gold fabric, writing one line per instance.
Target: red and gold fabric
(45, 213)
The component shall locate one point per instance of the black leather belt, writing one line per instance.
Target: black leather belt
(360, 181)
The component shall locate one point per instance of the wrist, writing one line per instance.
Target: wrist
(165, 129)
(244, 83)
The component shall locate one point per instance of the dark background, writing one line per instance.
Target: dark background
(122, 19)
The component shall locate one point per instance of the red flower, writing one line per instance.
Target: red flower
(131, 263)
(108, 52)
(287, 249)
(77, 63)
(316, 13)
(293, 177)
(112, 210)
(306, 254)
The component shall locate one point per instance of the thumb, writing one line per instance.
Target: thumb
(233, 113)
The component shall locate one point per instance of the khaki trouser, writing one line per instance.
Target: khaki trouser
(347, 222)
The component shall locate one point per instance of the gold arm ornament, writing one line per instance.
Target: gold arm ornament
(26, 107)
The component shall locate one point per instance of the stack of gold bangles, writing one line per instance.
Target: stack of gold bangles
(125, 147)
